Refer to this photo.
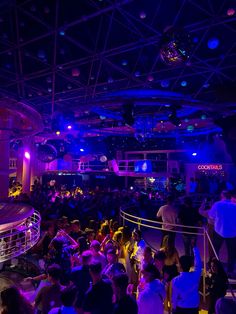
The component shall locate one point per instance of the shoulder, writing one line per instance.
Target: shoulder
(55, 310)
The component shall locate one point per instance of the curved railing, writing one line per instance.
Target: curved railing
(19, 239)
(177, 228)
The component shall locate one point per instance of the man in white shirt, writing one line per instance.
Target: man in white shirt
(151, 298)
(185, 295)
(223, 213)
(168, 213)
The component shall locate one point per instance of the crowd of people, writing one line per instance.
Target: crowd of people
(90, 264)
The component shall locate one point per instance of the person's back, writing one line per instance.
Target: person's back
(152, 294)
(151, 299)
(124, 303)
(185, 294)
(168, 213)
(67, 299)
(49, 296)
(224, 214)
(98, 299)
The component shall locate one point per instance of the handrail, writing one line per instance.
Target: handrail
(161, 223)
(141, 222)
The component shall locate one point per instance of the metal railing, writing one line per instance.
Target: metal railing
(177, 228)
(19, 239)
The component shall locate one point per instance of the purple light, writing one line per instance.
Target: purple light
(69, 127)
(27, 155)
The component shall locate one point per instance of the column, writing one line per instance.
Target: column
(4, 164)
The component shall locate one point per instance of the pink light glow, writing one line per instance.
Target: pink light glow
(27, 155)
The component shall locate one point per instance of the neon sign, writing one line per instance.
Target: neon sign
(217, 167)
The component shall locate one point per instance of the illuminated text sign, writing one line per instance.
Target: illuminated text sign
(210, 167)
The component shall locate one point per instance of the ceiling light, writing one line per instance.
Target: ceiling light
(230, 12)
(142, 15)
(213, 43)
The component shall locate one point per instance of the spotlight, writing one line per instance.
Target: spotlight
(194, 154)
(69, 127)
(81, 149)
(27, 155)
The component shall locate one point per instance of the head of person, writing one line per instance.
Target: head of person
(90, 234)
(159, 259)
(75, 225)
(118, 236)
(112, 256)
(216, 267)
(14, 302)
(86, 257)
(150, 273)
(186, 262)
(68, 296)
(147, 253)
(105, 229)
(119, 284)
(54, 273)
(168, 246)
(224, 306)
(95, 246)
(233, 197)
(95, 269)
(136, 235)
(170, 199)
(225, 195)
(56, 244)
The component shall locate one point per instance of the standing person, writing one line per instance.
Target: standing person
(97, 256)
(168, 213)
(98, 299)
(81, 278)
(124, 303)
(136, 256)
(188, 216)
(151, 298)
(217, 282)
(185, 296)
(223, 213)
(49, 296)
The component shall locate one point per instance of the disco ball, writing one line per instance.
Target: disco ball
(46, 152)
(103, 158)
(176, 47)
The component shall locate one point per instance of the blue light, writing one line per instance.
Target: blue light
(62, 32)
(213, 43)
(194, 154)
(183, 83)
(124, 62)
(81, 149)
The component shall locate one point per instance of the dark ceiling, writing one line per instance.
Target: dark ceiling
(96, 64)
